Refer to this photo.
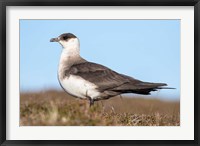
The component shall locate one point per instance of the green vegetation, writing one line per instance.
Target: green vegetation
(54, 108)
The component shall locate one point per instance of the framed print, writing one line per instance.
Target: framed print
(103, 72)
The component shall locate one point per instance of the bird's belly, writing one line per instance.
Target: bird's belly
(79, 87)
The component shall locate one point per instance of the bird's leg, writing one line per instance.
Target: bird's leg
(90, 99)
(91, 102)
(103, 106)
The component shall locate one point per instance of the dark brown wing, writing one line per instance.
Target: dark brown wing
(100, 75)
(111, 81)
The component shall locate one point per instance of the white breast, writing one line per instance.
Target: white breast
(79, 87)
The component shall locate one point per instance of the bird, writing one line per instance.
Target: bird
(91, 81)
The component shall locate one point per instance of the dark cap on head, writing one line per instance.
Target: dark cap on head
(64, 36)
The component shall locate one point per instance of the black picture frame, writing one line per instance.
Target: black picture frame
(5, 3)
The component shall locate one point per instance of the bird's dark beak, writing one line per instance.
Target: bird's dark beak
(54, 40)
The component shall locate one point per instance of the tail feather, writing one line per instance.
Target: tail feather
(166, 88)
(140, 88)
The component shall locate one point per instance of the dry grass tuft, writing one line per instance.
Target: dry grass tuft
(55, 108)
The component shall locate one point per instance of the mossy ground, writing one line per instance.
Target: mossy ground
(55, 108)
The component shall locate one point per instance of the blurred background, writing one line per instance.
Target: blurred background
(148, 50)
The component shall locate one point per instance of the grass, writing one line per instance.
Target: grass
(55, 108)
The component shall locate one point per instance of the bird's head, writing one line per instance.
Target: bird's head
(67, 40)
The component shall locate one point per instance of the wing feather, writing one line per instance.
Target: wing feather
(103, 77)
(111, 81)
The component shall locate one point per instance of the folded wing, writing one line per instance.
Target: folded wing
(111, 82)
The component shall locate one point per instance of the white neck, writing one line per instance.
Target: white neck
(70, 47)
(70, 53)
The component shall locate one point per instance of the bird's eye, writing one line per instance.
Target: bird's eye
(65, 37)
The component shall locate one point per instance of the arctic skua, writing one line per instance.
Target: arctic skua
(92, 81)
